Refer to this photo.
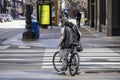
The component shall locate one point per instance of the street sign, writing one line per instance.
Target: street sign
(44, 14)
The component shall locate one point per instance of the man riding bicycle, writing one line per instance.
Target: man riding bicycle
(70, 34)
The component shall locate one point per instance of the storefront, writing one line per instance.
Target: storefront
(104, 16)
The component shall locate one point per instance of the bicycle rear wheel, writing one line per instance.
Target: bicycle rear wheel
(57, 63)
(74, 64)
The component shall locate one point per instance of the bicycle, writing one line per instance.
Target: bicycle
(72, 62)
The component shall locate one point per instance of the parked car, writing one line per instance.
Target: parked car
(1, 19)
(9, 17)
(4, 18)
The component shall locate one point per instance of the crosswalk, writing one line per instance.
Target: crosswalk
(4, 47)
(14, 47)
(96, 59)
(91, 59)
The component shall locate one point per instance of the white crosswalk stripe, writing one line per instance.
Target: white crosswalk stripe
(24, 47)
(90, 59)
(97, 58)
(37, 64)
(4, 47)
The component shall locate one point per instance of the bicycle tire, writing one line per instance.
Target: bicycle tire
(74, 64)
(57, 64)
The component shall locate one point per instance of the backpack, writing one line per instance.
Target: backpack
(76, 34)
(68, 38)
(75, 31)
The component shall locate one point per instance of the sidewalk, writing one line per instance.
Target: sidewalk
(49, 39)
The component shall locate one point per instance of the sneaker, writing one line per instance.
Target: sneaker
(62, 73)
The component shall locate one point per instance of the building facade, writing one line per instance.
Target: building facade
(103, 15)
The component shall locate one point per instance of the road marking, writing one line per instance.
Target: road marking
(25, 51)
(87, 50)
(47, 64)
(111, 58)
(4, 47)
(24, 47)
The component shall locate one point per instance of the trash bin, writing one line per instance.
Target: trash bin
(35, 28)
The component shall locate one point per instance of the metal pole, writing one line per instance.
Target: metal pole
(14, 9)
(29, 34)
(0, 6)
(22, 8)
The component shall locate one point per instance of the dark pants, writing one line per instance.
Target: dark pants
(78, 22)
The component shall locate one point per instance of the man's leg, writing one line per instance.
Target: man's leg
(64, 60)
(76, 22)
(65, 57)
(79, 23)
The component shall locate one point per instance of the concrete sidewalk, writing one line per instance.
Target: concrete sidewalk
(49, 39)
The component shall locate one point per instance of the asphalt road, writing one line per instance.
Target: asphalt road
(9, 29)
(36, 64)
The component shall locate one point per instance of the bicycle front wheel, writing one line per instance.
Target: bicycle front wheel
(57, 63)
(74, 64)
